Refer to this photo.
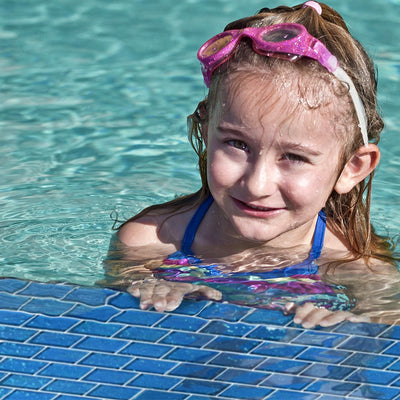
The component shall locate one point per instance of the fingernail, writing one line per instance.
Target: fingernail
(289, 308)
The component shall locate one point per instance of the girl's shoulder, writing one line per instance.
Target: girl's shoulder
(164, 227)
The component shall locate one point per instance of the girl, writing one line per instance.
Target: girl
(287, 144)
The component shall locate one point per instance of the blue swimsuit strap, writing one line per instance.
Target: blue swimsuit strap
(190, 233)
(193, 226)
(319, 236)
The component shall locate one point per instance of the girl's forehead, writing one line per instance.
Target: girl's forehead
(286, 98)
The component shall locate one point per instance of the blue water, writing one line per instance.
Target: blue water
(93, 103)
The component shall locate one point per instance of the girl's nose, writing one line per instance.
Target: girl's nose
(261, 179)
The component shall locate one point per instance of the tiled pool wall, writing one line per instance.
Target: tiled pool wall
(70, 342)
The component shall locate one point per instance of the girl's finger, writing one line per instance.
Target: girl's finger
(309, 315)
(206, 291)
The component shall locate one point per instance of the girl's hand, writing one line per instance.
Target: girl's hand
(309, 316)
(167, 296)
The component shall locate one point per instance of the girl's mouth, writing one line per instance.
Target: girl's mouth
(256, 210)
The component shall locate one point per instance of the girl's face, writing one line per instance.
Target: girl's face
(272, 161)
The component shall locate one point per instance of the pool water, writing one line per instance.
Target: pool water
(94, 99)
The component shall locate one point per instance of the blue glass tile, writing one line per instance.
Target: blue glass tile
(370, 345)
(146, 350)
(246, 392)
(196, 397)
(315, 338)
(369, 360)
(237, 360)
(227, 328)
(71, 387)
(36, 289)
(275, 333)
(392, 333)
(330, 387)
(328, 371)
(13, 317)
(277, 349)
(376, 392)
(21, 365)
(196, 371)
(106, 360)
(69, 397)
(191, 355)
(15, 334)
(4, 391)
(137, 317)
(11, 301)
(24, 394)
(12, 285)
(18, 349)
(53, 323)
(361, 329)
(153, 395)
(155, 382)
(227, 312)
(329, 397)
(114, 392)
(395, 366)
(124, 301)
(181, 322)
(97, 328)
(109, 376)
(242, 376)
(98, 314)
(47, 306)
(89, 296)
(187, 339)
(65, 371)
(142, 333)
(56, 339)
(288, 395)
(200, 387)
(262, 316)
(285, 366)
(61, 355)
(287, 381)
(101, 344)
(191, 307)
(233, 344)
(324, 355)
(373, 377)
(25, 381)
(151, 366)
(393, 350)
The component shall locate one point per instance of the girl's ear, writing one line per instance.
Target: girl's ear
(360, 165)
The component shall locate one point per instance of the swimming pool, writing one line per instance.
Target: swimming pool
(94, 98)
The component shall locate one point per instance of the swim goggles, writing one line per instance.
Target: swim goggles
(288, 41)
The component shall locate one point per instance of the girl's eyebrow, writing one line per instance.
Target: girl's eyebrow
(231, 129)
(298, 147)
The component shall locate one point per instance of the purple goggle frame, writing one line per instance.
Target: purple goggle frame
(288, 41)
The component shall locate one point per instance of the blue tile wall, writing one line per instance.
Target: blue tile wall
(65, 342)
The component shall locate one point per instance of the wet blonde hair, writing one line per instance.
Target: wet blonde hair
(348, 214)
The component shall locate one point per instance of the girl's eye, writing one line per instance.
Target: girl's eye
(296, 158)
(238, 144)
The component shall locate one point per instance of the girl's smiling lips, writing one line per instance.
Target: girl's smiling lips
(256, 210)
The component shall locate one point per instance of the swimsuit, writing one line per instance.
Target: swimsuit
(299, 283)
